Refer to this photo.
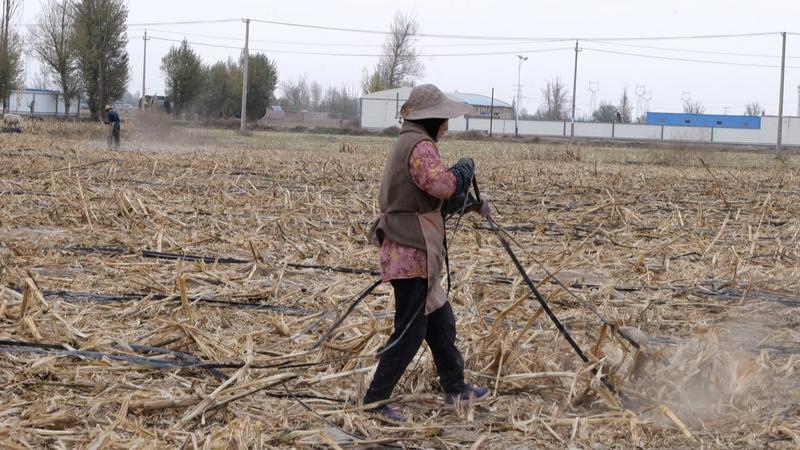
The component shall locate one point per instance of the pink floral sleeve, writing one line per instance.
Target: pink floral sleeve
(429, 173)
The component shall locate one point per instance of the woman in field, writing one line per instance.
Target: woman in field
(410, 232)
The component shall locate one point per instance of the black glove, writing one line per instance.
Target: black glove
(464, 171)
(454, 205)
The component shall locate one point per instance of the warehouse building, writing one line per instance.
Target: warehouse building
(381, 109)
(40, 102)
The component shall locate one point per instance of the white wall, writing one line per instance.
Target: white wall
(540, 128)
(791, 130)
(700, 134)
(378, 114)
(458, 124)
(737, 136)
(589, 129)
(47, 104)
(631, 131)
(381, 113)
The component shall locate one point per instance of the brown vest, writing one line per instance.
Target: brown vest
(400, 200)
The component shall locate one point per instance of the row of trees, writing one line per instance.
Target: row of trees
(83, 46)
(300, 95)
(555, 106)
(215, 91)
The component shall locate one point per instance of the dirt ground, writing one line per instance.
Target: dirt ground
(169, 295)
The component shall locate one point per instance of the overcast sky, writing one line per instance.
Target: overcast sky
(719, 87)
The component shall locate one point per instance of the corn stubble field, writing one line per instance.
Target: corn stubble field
(113, 335)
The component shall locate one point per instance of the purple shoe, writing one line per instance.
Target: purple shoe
(470, 391)
(389, 413)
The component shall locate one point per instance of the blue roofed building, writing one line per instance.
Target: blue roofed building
(483, 106)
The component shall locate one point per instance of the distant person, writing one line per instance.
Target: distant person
(112, 119)
(410, 232)
(619, 117)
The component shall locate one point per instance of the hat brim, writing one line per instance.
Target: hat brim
(447, 109)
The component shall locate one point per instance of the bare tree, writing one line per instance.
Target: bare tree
(51, 38)
(43, 79)
(555, 98)
(296, 96)
(624, 109)
(696, 107)
(753, 109)
(399, 64)
(10, 51)
(340, 103)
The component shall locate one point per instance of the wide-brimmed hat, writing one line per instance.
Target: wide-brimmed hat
(426, 101)
(108, 107)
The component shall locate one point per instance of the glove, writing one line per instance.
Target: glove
(454, 204)
(464, 171)
(483, 208)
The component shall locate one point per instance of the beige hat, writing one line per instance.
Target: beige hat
(108, 107)
(428, 102)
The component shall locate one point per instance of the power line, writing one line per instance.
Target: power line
(370, 55)
(703, 61)
(686, 37)
(508, 38)
(199, 43)
(326, 44)
(188, 22)
(706, 52)
(425, 35)
(472, 37)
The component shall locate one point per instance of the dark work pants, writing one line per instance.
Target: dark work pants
(438, 329)
(114, 138)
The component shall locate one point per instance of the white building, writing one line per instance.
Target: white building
(40, 102)
(381, 109)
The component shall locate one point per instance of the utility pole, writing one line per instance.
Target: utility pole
(780, 97)
(144, 69)
(519, 94)
(243, 124)
(574, 88)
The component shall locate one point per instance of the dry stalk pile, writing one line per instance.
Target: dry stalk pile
(169, 295)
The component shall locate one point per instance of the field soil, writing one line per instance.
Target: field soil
(170, 295)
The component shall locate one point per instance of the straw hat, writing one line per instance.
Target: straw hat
(426, 101)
